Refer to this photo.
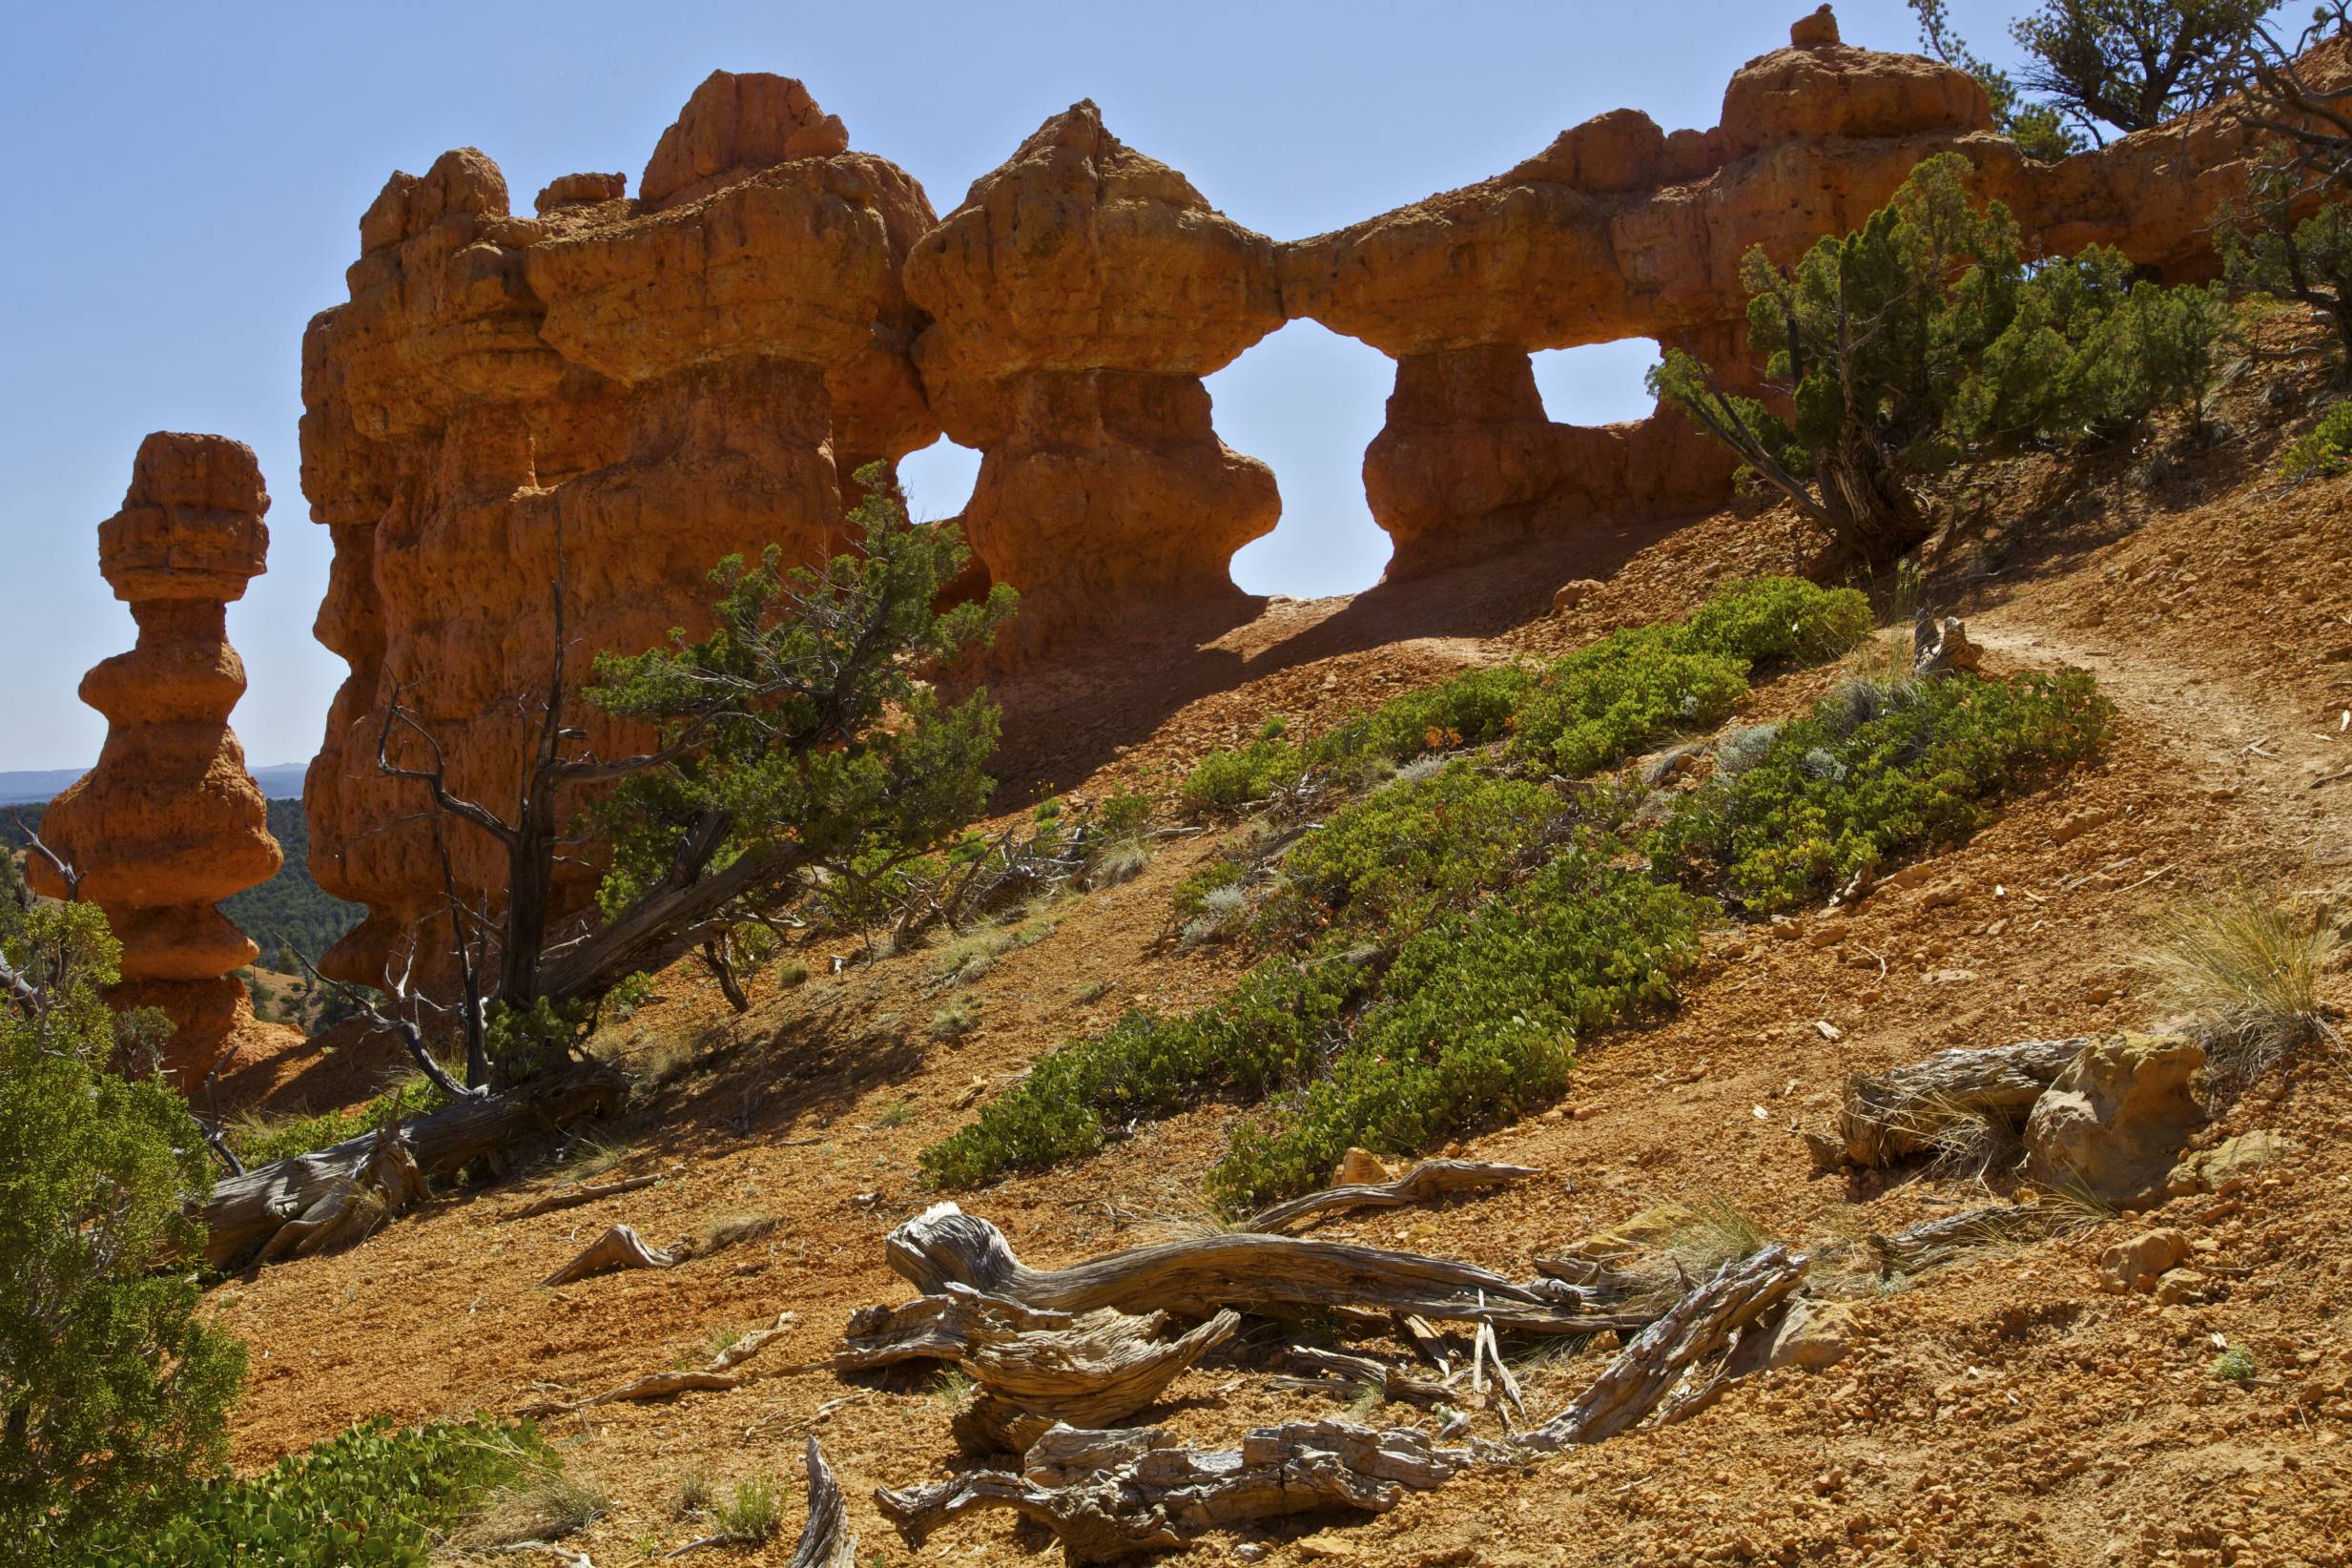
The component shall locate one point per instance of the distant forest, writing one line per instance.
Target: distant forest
(287, 908)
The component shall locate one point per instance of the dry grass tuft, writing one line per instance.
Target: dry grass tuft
(2245, 967)
(549, 1506)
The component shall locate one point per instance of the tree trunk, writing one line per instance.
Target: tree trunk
(1946, 1104)
(246, 1211)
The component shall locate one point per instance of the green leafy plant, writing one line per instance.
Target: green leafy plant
(754, 1511)
(258, 1140)
(2235, 1365)
(1478, 1020)
(1873, 770)
(375, 1495)
(115, 1393)
(1923, 340)
(2323, 451)
(1226, 780)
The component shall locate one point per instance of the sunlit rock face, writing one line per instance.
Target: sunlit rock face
(169, 822)
(636, 387)
(624, 390)
(1077, 297)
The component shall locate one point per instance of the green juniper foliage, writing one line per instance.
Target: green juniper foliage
(373, 1496)
(113, 1394)
(1924, 340)
(2039, 129)
(1873, 770)
(2267, 249)
(2324, 451)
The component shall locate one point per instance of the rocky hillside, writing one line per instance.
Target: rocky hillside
(2160, 1377)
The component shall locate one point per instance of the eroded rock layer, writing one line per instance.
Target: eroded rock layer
(169, 822)
(651, 383)
(1077, 297)
(631, 389)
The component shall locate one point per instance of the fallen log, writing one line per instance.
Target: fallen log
(1363, 1371)
(1034, 1368)
(245, 1211)
(1695, 1327)
(1105, 1495)
(353, 1207)
(574, 1197)
(1948, 1105)
(1931, 1244)
(1198, 1276)
(719, 1375)
(1430, 1179)
(620, 1246)
(825, 1540)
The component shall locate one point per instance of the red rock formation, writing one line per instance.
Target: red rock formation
(1619, 230)
(1077, 299)
(657, 383)
(169, 822)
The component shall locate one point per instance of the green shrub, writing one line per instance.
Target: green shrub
(753, 1511)
(1634, 686)
(373, 1495)
(1772, 621)
(1479, 1022)
(1875, 770)
(1603, 703)
(257, 1140)
(1223, 781)
(1467, 709)
(1385, 862)
(2324, 451)
(1271, 1028)
(2235, 1365)
(1189, 901)
(115, 1393)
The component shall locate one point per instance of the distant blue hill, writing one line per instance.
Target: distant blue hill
(280, 781)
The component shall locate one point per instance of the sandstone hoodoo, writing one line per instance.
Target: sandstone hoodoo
(1077, 299)
(628, 388)
(169, 822)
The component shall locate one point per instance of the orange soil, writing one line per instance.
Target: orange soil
(2003, 1411)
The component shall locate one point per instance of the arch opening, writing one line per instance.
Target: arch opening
(1307, 402)
(1596, 383)
(938, 480)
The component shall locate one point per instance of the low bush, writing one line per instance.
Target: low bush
(1388, 862)
(373, 1495)
(1873, 770)
(1480, 1019)
(1467, 709)
(1223, 781)
(2323, 451)
(257, 1140)
(1271, 1028)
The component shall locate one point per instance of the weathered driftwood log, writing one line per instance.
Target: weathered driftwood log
(1695, 1327)
(826, 1540)
(1430, 1179)
(719, 1373)
(1033, 1368)
(1105, 1495)
(1342, 1370)
(573, 1197)
(1195, 1277)
(620, 1246)
(1943, 1105)
(353, 1207)
(1933, 1243)
(246, 1211)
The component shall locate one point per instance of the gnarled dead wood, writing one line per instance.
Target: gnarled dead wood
(1197, 1276)
(1695, 1327)
(1932, 1243)
(825, 1540)
(246, 1211)
(1430, 1179)
(1362, 1370)
(353, 1207)
(1936, 1105)
(719, 1373)
(1105, 1495)
(1034, 1368)
(574, 1197)
(618, 1247)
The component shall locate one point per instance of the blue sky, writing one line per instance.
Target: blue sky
(188, 183)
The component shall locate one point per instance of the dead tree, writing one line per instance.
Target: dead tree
(1952, 1103)
(1197, 1277)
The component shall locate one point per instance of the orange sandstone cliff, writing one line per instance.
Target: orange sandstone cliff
(647, 385)
(169, 822)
